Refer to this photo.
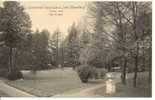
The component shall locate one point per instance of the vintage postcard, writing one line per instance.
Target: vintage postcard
(75, 48)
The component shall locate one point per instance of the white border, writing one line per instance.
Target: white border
(79, 0)
(92, 98)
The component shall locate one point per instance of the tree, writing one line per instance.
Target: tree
(144, 26)
(55, 44)
(108, 15)
(122, 17)
(40, 50)
(136, 10)
(15, 25)
(85, 39)
(72, 49)
(85, 43)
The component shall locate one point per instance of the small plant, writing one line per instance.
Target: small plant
(14, 75)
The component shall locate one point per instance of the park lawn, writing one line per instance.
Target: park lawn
(143, 88)
(2, 94)
(51, 82)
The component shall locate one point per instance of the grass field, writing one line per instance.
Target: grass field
(2, 94)
(51, 82)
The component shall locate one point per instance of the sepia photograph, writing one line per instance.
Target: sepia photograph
(75, 49)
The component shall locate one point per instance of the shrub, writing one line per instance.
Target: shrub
(14, 75)
(84, 72)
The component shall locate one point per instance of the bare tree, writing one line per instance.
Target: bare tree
(122, 17)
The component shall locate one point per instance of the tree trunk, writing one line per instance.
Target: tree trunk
(134, 15)
(57, 51)
(62, 58)
(10, 59)
(124, 72)
(150, 65)
(143, 67)
(136, 67)
(109, 67)
(14, 60)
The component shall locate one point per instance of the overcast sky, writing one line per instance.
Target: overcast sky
(42, 18)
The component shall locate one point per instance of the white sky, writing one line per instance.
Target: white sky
(42, 19)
